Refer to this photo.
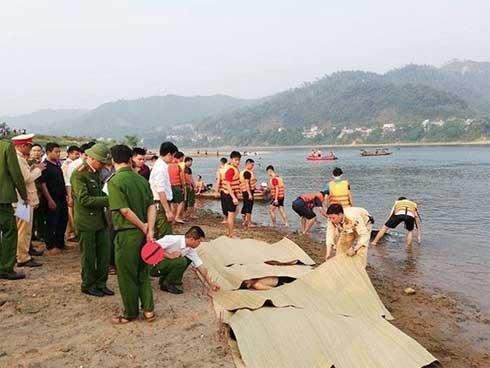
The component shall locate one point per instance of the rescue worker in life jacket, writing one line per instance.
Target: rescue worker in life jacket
(304, 205)
(231, 190)
(406, 211)
(248, 182)
(220, 182)
(278, 189)
(338, 189)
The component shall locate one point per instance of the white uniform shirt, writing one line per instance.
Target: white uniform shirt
(177, 242)
(160, 180)
(71, 169)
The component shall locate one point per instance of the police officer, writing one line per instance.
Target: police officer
(10, 179)
(23, 145)
(133, 217)
(90, 222)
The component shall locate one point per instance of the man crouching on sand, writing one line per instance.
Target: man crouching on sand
(171, 270)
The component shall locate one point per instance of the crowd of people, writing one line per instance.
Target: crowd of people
(113, 203)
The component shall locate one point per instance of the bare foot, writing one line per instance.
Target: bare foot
(374, 243)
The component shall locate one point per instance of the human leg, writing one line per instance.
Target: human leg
(8, 238)
(379, 235)
(87, 241)
(24, 236)
(103, 258)
(127, 253)
(162, 225)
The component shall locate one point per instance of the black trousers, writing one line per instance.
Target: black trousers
(56, 225)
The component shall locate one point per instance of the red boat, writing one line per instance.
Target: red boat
(321, 158)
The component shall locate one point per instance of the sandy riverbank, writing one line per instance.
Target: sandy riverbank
(50, 324)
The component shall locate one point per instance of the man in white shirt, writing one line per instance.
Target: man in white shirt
(162, 190)
(183, 247)
(73, 155)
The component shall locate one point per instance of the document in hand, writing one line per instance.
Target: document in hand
(22, 212)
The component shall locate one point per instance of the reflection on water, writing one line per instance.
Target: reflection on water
(450, 184)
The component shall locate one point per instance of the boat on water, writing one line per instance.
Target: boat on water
(376, 152)
(261, 196)
(322, 158)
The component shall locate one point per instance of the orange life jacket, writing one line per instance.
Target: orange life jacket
(338, 192)
(174, 174)
(310, 198)
(221, 174)
(281, 188)
(235, 183)
(252, 182)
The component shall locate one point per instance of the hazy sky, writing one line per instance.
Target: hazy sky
(71, 54)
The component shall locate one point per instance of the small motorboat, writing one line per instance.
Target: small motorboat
(376, 152)
(322, 158)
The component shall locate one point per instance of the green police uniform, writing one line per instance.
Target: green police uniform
(127, 189)
(91, 226)
(162, 225)
(10, 179)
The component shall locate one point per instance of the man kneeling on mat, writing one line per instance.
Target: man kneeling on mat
(171, 270)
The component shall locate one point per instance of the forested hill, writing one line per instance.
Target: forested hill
(320, 111)
(414, 103)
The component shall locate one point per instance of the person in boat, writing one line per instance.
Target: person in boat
(406, 211)
(319, 153)
(218, 187)
(231, 190)
(337, 190)
(304, 205)
(278, 189)
(248, 181)
(331, 154)
(200, 185)
(348, 231)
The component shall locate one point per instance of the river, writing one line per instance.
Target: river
(449, 183)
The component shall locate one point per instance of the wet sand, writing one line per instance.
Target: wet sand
(46, 322)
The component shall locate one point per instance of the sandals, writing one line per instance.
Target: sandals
(120, 320)
(150, 318)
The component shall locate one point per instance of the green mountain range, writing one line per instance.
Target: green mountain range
(413, 103)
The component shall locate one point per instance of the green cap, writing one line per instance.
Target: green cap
(100, 152)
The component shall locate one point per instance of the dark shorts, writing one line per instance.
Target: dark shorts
(396, 220)
(279, 204)
(248, 203)
(222, 200)
(228, 205)
(300, 207)
(177, 194)
(191, 197)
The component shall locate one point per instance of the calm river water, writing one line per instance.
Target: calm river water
(450, 185)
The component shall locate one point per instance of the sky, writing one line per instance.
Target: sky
(80, 54)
